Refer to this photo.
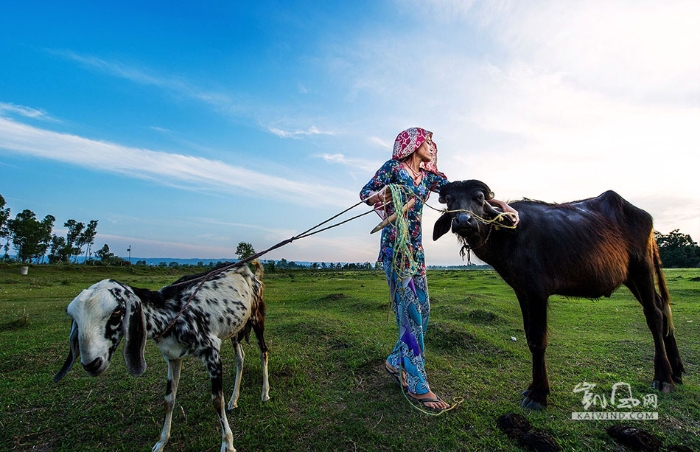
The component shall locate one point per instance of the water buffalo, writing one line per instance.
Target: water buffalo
(585, 249)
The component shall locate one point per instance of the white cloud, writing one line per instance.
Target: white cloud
(7, 109)
(189, 171)
(358, 164)
(313, 130)
(546, 99)
(176, 85)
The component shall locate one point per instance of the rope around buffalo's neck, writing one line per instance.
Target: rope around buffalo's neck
(497, 221)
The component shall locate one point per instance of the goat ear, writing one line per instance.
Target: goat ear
(442, 225)
(73, 353)
(135, 336)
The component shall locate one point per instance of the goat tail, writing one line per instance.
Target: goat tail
(259, 270)
(663, 288)
(260, 287)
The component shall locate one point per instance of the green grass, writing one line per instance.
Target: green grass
(329, 333)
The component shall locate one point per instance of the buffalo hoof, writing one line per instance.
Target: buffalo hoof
(530, 404)
(526, 392)
(665, 388)
(678, 379)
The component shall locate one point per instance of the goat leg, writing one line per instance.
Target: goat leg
(240, 357)
(259, 328)
(266, 383)
(212, 360)
(174, 367)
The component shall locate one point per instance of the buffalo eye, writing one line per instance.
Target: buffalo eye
(117, 313)
(479, 197)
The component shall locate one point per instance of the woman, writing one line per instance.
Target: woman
(412, 172)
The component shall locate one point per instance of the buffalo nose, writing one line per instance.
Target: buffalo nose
(93, 366)
(463, 220)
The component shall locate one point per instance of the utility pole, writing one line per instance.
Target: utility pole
(129, 250)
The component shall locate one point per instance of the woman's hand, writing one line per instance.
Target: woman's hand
(383, 196)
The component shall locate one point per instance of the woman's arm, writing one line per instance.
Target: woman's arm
(375, 190)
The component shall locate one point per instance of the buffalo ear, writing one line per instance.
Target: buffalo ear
(442, 225)
(73, 353)
(135, 336)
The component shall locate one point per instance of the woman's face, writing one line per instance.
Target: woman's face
(423, 151)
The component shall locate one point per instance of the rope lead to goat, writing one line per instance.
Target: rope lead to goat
(204, 278)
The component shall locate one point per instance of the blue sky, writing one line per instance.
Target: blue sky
(186, 129)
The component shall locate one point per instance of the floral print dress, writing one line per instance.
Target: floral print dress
(409, 294)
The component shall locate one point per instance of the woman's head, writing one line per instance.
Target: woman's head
(408, 142)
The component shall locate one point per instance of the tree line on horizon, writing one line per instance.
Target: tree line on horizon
(34, 240)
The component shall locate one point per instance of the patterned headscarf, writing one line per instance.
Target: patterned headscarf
(408, 141)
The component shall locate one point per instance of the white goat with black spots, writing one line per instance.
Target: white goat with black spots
(226, 306)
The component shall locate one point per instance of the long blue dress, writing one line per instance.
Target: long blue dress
(409, 292)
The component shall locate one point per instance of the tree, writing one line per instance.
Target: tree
(4, 230)
(30, 237)
(87, 237)
(677, 250)
(104, 254)
(244, 250)
(108, 258)
(77, 236)
(60, 252)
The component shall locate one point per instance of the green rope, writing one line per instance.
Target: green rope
(403, 262)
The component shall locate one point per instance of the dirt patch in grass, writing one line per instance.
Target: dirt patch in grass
(463, 314)
(481, 316)
(446, 336)
(452, 338)
(21, 323)
(333, 297)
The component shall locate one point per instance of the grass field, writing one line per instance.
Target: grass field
(329, 333)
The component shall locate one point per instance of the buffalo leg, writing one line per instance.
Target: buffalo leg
(674, 357)
(536, 333)
(642, 286)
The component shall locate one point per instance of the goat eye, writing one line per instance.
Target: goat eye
(117, 313)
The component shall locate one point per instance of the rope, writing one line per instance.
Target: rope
(403, 262)
(204, 278)
(456, 401)
(497, 221)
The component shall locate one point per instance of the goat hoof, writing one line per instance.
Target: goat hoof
(530, 404)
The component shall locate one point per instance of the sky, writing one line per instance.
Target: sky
(185, 128)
